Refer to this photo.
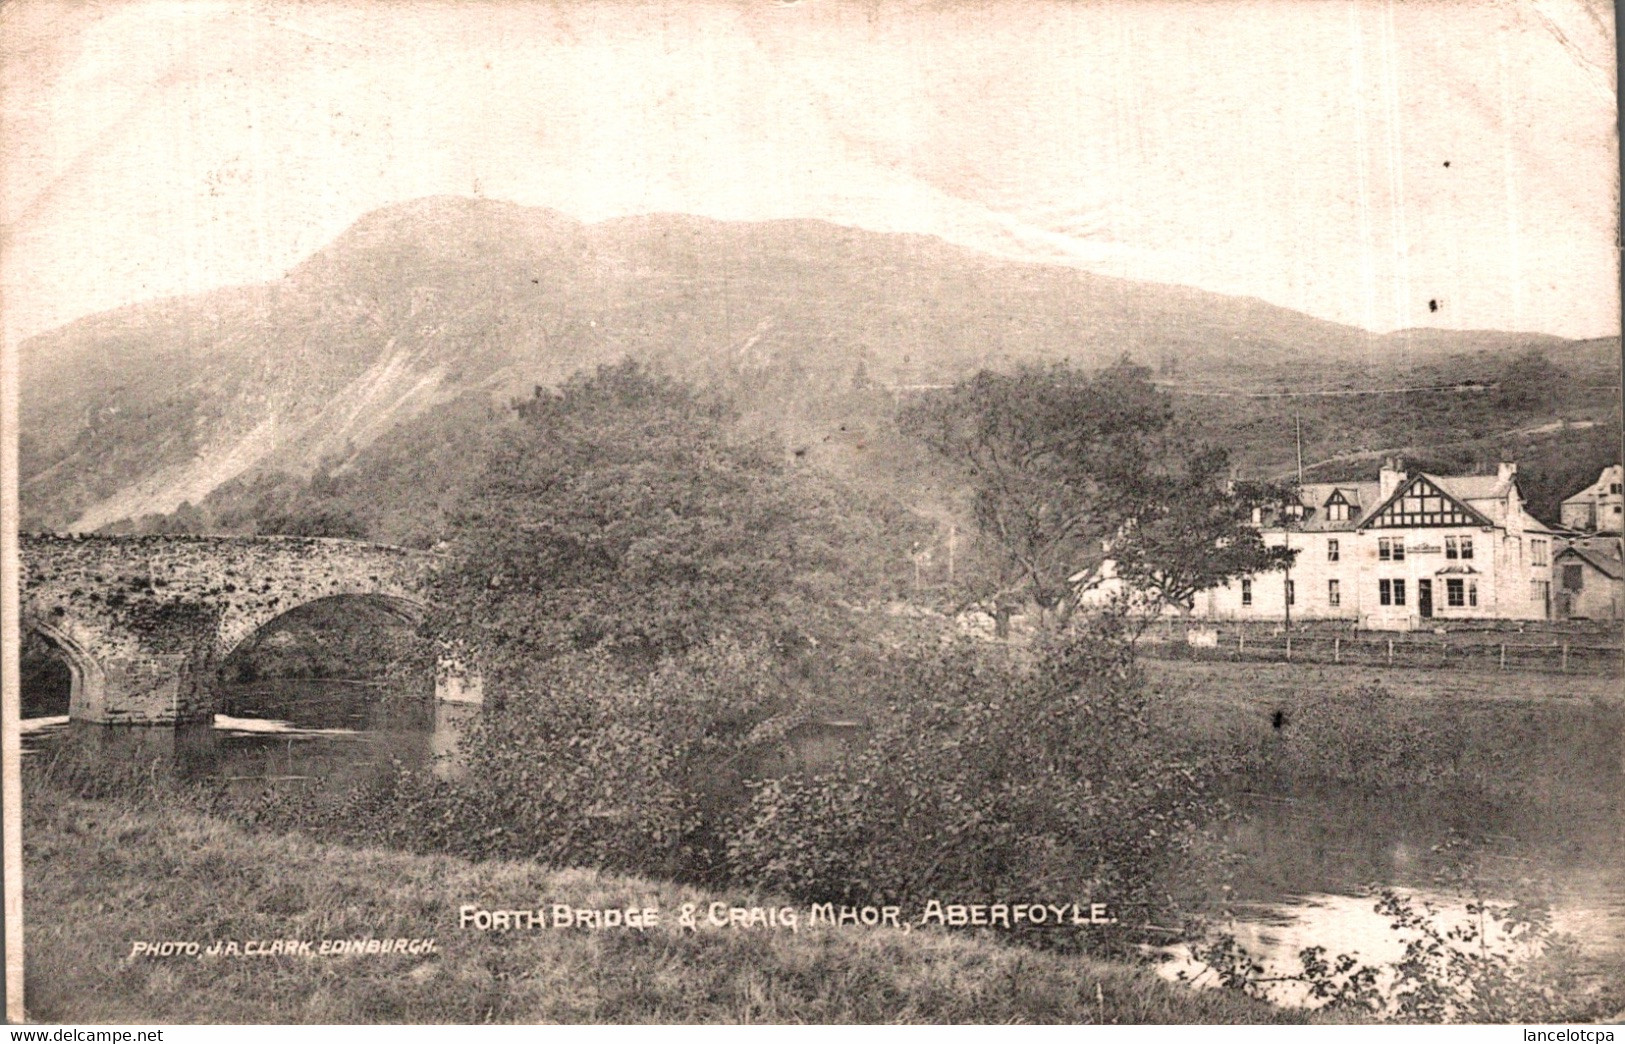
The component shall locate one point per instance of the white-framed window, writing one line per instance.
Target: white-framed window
(1399, 552)
(1455, 593)
(1334, 593)
(1451, 548)
(1338, 512)
(1399, 592)
(1385, 592)
(1332, 551)
(1246, 592)
(1385, 551)
(1537, 551)
(1466, 547)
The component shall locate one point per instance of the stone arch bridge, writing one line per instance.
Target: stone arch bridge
(144, 622)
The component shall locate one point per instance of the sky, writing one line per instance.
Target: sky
(1387, 165)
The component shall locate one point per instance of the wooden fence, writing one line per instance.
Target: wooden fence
(1478, 652)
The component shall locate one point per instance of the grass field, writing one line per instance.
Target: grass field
(1247, 684)
(102, 875)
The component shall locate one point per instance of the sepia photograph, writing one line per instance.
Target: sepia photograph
(946, 512)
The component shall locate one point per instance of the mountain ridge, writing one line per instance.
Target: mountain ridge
(140, 409)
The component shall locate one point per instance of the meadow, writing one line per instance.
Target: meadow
(105, 874)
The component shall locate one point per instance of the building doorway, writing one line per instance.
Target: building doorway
(1424, 598)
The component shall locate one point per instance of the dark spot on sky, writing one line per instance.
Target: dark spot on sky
(1433, 305)
(1447, 163)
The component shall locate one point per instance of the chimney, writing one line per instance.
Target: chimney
(1506, 471)
(1390, 478)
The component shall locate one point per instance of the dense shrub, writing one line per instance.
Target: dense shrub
(595, 766)
(991, 780)
(602, 767)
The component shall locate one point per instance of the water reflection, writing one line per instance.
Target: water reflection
(286, 731)
(1308, 867)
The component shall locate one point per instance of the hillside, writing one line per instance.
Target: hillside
(426, 303)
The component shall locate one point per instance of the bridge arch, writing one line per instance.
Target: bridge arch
(87, 682)
(145, 621)
(238, 628)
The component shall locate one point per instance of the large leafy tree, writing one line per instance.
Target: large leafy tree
(621, 513)
(1075, 475)
(1192, 529)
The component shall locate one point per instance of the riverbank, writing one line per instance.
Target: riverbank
(102, 875)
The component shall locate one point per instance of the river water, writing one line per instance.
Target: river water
(1309, 869)
(1305, 871)
(289, 731)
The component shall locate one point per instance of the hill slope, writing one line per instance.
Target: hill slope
(138, 410)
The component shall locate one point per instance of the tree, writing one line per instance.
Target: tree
(1529, 381)
(315, 520)
(622, 514)
(1049, 454)
(1191, 530)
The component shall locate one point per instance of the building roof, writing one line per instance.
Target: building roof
(1608, 565)
(1609, 475)
(1363, 495)
(1609, 544)
(1473, 487)
(1485, 495)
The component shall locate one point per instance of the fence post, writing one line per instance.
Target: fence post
(1503, 656)
(1390, 652)
(1241, 641)
(1565, 657)
(1289, 647)
(1337, 649)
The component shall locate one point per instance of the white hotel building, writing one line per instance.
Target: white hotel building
(1409, 550)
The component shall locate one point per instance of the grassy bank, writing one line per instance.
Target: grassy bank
(103, 874)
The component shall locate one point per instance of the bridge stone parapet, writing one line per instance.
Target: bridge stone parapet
(145, 621)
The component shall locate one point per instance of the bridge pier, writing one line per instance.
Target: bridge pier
(454, 682)
(152, 690)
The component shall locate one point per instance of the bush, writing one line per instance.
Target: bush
(605, 768)
(1368, 737)
(988, 780)
(595, 765)
(1495, 963)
